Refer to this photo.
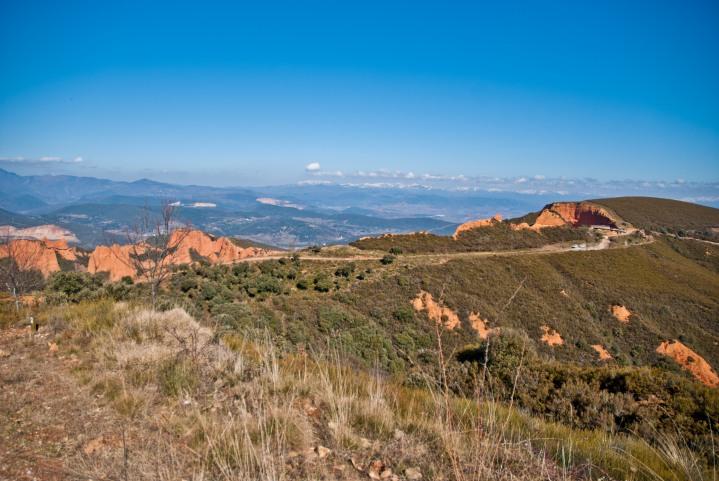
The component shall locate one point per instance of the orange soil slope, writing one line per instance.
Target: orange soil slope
(114, 259)
(437, 312)
(691, 361)
(551, 337)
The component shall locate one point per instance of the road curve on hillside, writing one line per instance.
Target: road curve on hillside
(604, 244)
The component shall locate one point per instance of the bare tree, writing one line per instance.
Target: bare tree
(18, 266)
(153, 245)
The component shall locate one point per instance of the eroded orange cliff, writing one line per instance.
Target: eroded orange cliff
(186, 247)
(115, 260)
(40, 255)
(574, 214)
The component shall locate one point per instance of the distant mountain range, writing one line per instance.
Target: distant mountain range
(98, 209)
(285, 216)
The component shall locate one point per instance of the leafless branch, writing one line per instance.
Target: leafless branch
(18, 266)
(153, 244)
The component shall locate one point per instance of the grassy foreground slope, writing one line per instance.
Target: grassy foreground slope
(231, 407)
(652, 213)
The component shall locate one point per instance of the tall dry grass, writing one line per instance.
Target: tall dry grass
(198, 406)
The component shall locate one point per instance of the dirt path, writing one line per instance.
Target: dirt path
(689, 238)
(444, 257)
(51, 428)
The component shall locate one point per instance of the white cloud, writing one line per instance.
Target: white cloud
(312, 167)
(314, 182)
(46, 159)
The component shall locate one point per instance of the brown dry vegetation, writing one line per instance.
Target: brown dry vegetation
(135, 394)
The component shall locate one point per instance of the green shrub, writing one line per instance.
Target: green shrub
(403, 314)
(345, 271)
(74, 287)
(323, 283)
(387, 259)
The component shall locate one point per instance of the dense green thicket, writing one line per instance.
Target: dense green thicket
(490, 238)
(74, 286)
(650, 402)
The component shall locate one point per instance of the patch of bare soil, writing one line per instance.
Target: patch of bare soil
(621, 313)
(52, 428)
(603, 353)
(480, 325)
(551, 337)
(435, 310)
(691, 361)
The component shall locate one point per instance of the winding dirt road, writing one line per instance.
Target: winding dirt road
(603, 244)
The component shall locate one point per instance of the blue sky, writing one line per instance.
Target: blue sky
(253, 92)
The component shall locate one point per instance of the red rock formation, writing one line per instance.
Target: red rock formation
(221, 249)
(575, 214)
(40, 255)
(116, 260)
(475, 224)
(60, 247)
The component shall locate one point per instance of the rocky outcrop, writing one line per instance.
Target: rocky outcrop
(574, 214)
(39, 255)
(475, 224)
(114, 260)
(214, 250)
(187, 246)
(691, 361)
